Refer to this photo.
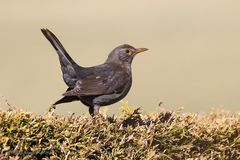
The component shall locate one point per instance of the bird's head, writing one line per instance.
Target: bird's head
(124, 54)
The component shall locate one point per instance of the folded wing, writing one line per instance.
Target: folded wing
(105, 82)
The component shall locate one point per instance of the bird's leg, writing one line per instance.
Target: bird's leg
(91, 111)
(96, 109)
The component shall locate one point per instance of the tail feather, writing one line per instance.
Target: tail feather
(68, 66)
(64, 57)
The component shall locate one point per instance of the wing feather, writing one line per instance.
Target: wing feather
(105, 82)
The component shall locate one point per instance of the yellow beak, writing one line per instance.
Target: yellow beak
(139, 50)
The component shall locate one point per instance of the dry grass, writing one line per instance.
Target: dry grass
(163, 135)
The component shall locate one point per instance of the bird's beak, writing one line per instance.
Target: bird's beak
(139, 50)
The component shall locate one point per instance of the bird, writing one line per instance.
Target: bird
(96, 86)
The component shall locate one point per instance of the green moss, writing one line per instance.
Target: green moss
(164, 135)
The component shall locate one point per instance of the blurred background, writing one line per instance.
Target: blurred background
(193, 61)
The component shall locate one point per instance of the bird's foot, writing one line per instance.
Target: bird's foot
(93, 111)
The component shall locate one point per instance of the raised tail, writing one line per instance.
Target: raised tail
(64, 57)
(68, 66)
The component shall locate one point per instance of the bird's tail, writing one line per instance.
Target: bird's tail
(64, 57)
(68, 66)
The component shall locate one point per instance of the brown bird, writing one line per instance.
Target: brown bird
(100, 85)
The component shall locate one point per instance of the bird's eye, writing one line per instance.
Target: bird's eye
(128, 51)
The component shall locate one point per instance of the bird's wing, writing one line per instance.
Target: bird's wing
(105, 82)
